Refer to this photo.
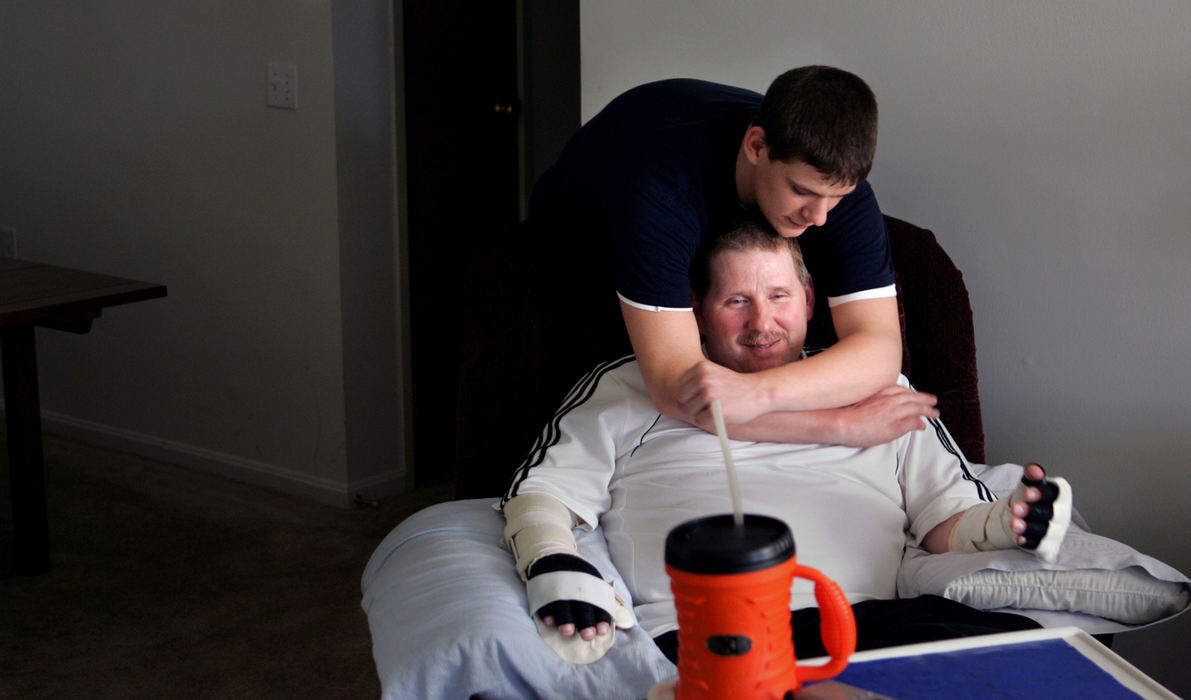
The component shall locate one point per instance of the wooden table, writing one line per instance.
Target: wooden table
(33, 294)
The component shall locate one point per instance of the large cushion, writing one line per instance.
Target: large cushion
(449, 618)
(1110, 585)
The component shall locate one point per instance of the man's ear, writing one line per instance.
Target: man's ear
(697, 307)
(809, 288)
(754, 144)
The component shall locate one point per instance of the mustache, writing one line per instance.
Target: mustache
(757, 338)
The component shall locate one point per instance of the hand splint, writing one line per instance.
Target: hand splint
(988, 526)
(537, 526)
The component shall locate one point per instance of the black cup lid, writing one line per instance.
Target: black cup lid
(717, 545)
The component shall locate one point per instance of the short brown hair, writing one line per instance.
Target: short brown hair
(747, 233)
(824, 117)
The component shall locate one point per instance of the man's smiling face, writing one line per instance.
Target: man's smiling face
(755, 312)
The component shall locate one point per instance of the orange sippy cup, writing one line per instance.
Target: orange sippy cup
(731, 587)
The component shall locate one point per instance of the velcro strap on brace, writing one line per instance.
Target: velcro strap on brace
(544, 589)
(989, 526)
(537, 525)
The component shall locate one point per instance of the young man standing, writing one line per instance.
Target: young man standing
(644, 181)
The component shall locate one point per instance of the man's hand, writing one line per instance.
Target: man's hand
(885, 416)
(571, 616)
(741, 396)
(1032, 515)
(576, 611)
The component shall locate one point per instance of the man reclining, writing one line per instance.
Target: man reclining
(610, 459)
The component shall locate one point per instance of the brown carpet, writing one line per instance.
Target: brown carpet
(171, 583)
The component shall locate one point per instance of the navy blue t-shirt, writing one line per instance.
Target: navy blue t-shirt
(654, 171)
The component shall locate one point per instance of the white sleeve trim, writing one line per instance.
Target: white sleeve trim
(647, 307)
(878, 293)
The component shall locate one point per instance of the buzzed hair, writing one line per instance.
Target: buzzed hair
(749, 233)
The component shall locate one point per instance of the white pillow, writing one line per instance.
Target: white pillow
(1093, 575)
(1130, 596)
(449, 618)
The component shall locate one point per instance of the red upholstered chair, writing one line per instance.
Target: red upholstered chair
(516, 366)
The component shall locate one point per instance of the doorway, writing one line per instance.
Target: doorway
(491, 94)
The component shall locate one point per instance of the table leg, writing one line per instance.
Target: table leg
(31, 544)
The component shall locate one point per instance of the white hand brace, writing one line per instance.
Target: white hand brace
(538, 525)
(988, 526)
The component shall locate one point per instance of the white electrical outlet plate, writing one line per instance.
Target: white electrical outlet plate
(282, 86)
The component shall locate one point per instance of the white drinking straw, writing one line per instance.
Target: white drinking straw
(722, 430)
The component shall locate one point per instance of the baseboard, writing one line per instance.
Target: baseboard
(330, 491)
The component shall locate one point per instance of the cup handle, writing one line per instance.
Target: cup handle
(838, 626)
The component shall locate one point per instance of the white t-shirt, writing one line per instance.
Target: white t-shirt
(616, 462)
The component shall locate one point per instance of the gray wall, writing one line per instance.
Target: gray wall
(1047, 145)
(135, 140)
